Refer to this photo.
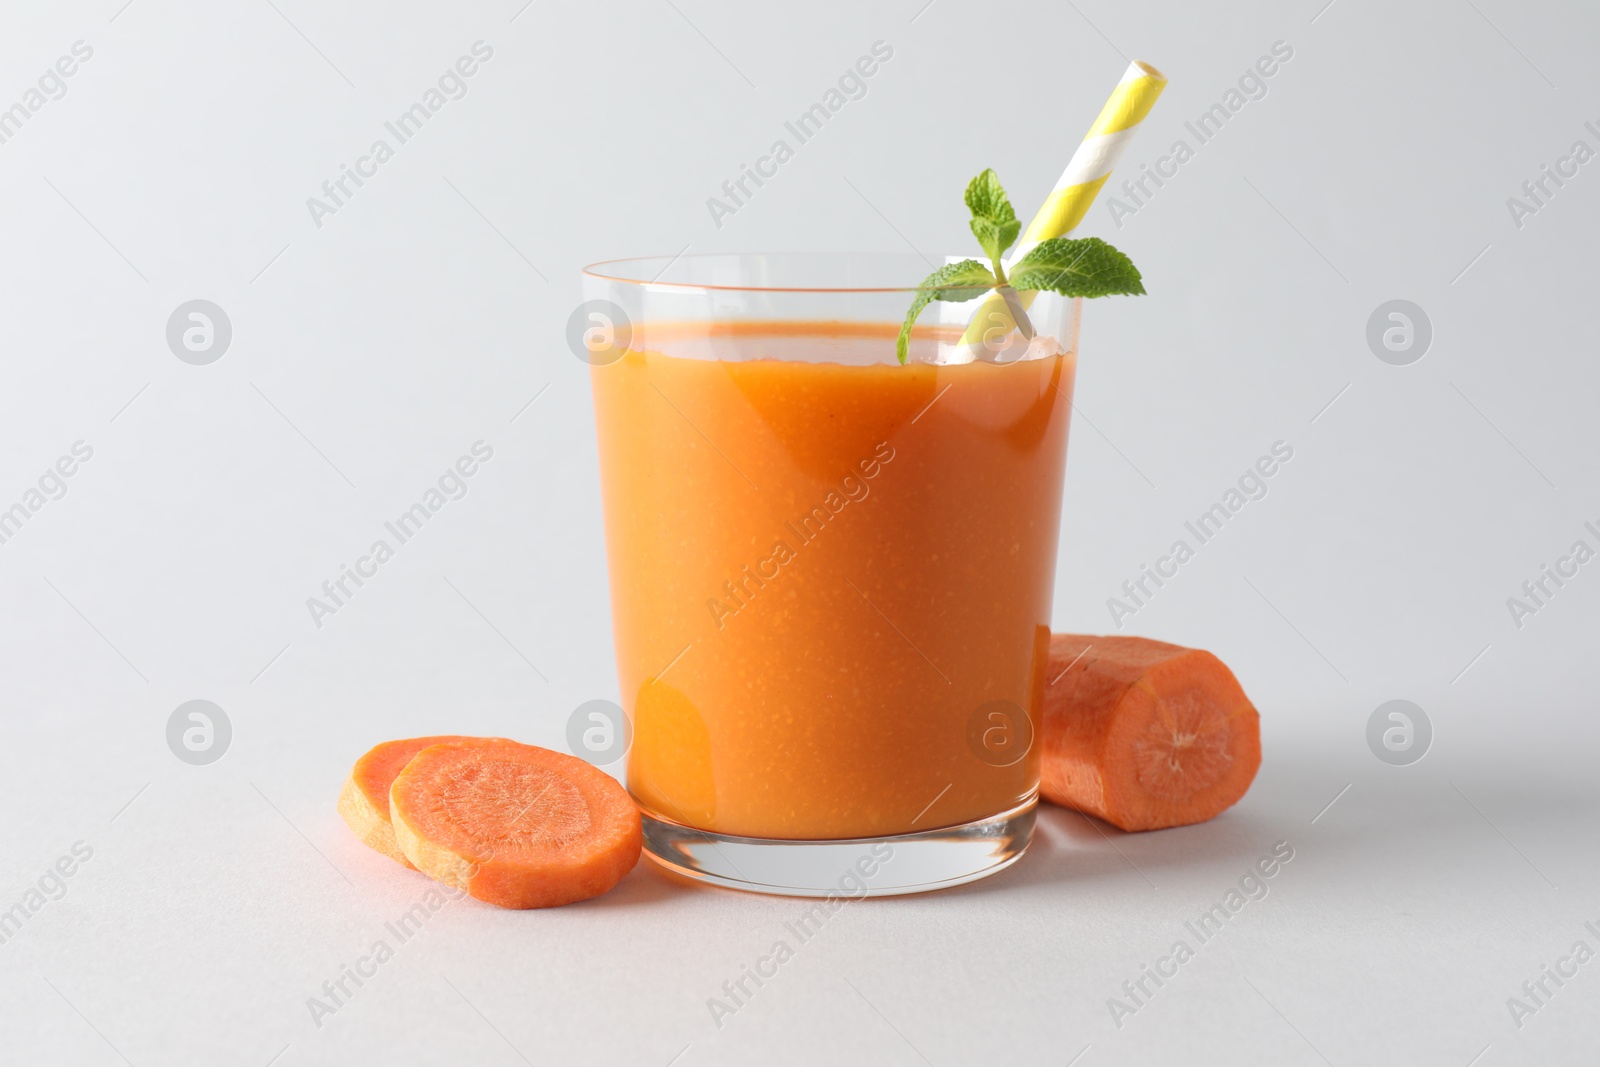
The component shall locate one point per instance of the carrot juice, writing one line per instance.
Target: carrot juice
(830, 574)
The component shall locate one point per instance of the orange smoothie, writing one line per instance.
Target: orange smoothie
(823, 569)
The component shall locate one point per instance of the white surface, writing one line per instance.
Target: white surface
(407, 327)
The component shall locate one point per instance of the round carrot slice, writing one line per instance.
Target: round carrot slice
(514, 825)
(364, 800)
(1144, 734)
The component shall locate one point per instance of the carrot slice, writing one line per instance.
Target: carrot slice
(514, 825)
(1144, 734)
(364, 800)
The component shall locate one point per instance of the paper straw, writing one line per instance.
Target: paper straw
(1078, 185)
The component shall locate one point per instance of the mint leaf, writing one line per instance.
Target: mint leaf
(994, 222)
(1085, 266)
(953, 281)
(986, 197)
(1082, 266)
(995, 237)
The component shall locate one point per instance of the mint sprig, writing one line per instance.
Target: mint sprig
(1084, 266)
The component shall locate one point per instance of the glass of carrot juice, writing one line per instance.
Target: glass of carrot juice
(831, 572)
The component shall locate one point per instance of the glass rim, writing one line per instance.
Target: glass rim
(599, 271)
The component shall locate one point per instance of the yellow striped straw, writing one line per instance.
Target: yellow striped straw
(1077, 187)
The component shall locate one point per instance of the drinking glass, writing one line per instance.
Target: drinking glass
(831, 572)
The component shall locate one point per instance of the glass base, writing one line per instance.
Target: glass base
(853, 867)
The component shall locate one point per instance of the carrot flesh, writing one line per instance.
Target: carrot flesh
(513, 824)
(364, 800)
(1144, 734)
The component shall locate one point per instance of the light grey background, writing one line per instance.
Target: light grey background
(370, 352)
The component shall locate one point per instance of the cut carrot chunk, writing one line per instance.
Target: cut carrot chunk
(364, 800)
(1145, 735)
(514, 825)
